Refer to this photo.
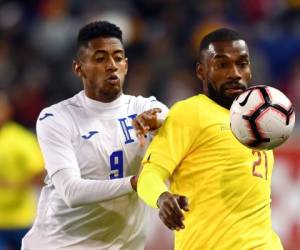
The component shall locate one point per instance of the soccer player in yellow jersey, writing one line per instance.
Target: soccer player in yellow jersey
(21, 167)
(220, 190)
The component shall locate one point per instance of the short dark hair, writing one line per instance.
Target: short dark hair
(219, 35)
(97, 29)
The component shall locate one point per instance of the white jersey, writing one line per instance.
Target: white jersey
(97, 141)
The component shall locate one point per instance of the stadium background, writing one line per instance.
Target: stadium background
(37, 41)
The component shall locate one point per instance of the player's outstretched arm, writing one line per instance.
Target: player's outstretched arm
(171, 208)
(76, 191)
(151, 183)
(170, 205)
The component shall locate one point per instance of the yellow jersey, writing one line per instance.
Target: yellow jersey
(227, 184)
(20, 160)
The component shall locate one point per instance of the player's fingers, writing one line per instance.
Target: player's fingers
(177, 222)
(155, 110)
(183, 202)
(147, 117)
(138, 130)
(142, 123)
(174, 225)
(171, 220)
(166, 209)
(141, 139)
(140, 127)
(166, 222)
(174, 213)
(175, 206)
(170, 211)
(136, 125)
(171, 206)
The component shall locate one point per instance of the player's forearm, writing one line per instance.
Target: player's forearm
(151, 183)
(77, 191)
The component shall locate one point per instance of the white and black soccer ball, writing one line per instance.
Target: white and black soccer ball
(262, 117)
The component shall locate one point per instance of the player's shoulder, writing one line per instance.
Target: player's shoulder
(139, 99)
(186, 106)
(61, 109)
(140, 104)
(185, 111)
(198, 102)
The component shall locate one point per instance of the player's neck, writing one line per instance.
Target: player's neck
(99, 105)
(103, 98)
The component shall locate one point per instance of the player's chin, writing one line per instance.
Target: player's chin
(113, 92)
(229, 94)
(113, 87)
(227, 100)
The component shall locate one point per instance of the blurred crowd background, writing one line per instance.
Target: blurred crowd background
(38, 38)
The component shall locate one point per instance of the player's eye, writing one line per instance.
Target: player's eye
(221, 65)
(100, 59)
(118, 58)
(243, 64)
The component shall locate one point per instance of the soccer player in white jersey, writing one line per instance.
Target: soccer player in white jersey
(92, 153)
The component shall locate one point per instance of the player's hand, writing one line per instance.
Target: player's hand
(133, 182)
(145, 122)
(171, 208)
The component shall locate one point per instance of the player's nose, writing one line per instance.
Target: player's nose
(111, 64)
(234, 73)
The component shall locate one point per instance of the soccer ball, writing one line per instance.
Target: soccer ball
(262, 117)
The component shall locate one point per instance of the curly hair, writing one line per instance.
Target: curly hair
(97, 29)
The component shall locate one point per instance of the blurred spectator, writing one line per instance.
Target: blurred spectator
(21, 169)
(291, 86)
(7, 67)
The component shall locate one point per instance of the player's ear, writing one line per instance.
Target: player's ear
(200, 70)
(77, 68)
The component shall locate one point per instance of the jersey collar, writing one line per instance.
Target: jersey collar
(91, 103)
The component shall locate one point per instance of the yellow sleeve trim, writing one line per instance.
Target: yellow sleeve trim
(151, 183)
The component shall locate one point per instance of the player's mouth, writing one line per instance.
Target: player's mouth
(113, 79)
(234, 89)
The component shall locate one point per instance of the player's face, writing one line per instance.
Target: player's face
(102, 67)
(225, 71)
